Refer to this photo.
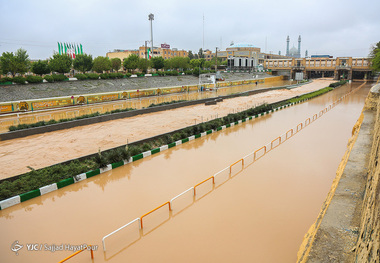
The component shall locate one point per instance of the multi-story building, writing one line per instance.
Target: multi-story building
(163, 51)
(122, 54)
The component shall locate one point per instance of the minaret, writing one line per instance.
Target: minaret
(299, 46)
(306, 54)
(287, 46)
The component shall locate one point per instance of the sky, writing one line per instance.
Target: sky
(327, 27)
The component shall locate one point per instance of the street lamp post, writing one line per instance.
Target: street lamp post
(151, 18)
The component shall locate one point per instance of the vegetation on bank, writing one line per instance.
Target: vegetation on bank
(45, 176)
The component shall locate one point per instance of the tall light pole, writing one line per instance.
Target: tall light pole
(151, 18)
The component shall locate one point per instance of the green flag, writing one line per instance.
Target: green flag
(59, 48)
(81, 49)
(65, 48)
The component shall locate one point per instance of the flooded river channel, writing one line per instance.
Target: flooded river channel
(259, 215)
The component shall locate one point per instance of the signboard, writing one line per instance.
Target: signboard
(165, 46)
(299, 75)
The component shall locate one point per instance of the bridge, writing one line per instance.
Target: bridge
(340, 67)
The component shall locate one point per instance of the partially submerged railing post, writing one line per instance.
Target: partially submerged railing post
(141, 218)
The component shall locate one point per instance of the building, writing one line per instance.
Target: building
(163, 51)
(293, 52)
(122, 54)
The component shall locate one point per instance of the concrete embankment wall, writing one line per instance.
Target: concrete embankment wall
(368, 245)
(348, 226)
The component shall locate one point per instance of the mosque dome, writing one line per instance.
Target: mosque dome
(293, 52)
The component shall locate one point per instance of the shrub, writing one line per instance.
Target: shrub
(104, 76)
(127, 75)
(81, 76)
(59, 77)
(119, 75)
(176, 136)
(112, 75)
(19, 80)
(100, 160)
(146, 147)
(34, 79)
(49, 78)
(113, 156)
(92, 76)
(134, 150)
(5, 79)
(160, 73)
(196, 71)
(188, 72)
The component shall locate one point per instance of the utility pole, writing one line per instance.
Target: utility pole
(146, 54)
(216, 59)
(203, 46)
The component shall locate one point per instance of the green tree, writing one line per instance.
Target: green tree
(158, 62)
(15, 63)
(83, 62)
(180, 63)
(101, 64)
(374, 49)
(208, 64)
(41, 67)
(190, 55)
(60, 63)
(376, 61)
(167, 64)
(195, 63)
(116, 64)
(200, 53)
(143, 65)
(131, 63)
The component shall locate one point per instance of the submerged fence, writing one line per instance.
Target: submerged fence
(241, 163)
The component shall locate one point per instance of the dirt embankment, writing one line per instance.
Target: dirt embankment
(348, 226)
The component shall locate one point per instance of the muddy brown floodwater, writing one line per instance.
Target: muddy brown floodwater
(258, 215)
(46, 149)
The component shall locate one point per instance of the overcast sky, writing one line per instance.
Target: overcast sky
(333, 27)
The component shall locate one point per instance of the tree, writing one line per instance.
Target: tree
(374, 49)
(208, 64)
(168, 64)
(190, 55)
(15, 63)
(143, 65)
(22, 61)
(376, 61)
(200, 53)
(83, 62)
(101, 64)
(131, 62)
(374, 56)
(179, 63)
(158, 62)
(41, 67)
(60, 63)
(116, 64)
(195, 63)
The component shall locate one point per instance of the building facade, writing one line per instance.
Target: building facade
(163, 51)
